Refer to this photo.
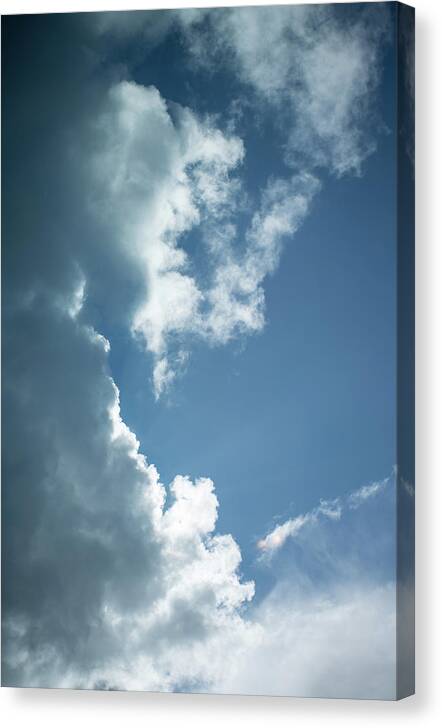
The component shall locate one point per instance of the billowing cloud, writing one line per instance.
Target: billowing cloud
(162, 176)
(170, 177)
(104, 584)
(113, 580)
(110, 588)
(107, 587)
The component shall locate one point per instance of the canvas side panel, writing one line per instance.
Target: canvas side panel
(405, 628)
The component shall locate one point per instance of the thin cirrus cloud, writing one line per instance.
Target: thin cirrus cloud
(331, 510)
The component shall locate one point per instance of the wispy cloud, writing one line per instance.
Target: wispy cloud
(290, 528)
(331, 510)
(328, 625)
(167, 174)
(358, 497)
(315, 70)
(162, 602)
(159, 180)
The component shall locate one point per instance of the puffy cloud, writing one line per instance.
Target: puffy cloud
(103, 584)
(111, 579)
(169, 177)
(317, 73)
(151, 179)
(107, 587)
(161, 178)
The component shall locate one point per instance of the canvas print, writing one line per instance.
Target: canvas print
(208, 350)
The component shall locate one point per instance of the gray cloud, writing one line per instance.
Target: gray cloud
(105, 588)
(103, 585)
(98, 577)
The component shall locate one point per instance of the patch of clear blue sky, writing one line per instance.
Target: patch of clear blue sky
(306, 409)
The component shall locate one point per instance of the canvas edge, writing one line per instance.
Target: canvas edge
(405, 483)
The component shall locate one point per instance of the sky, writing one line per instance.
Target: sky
(199, 351)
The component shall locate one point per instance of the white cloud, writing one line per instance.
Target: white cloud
(112, 579)
(168, 181)
(290, 528)
(109, 586)
(237, 301)
(314, 67)
(163, 175)
(338, 644)
(358, 497)
(276, 538)
(331, 510)
(163, 376)
(157, 180)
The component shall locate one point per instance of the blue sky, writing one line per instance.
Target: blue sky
(199, 315)
(306, 408)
